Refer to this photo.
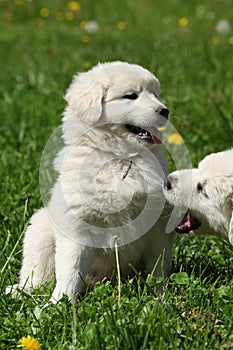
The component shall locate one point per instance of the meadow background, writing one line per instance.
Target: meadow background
(42, 44)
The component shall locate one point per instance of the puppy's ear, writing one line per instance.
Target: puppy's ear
(85, 97)
(230, 233)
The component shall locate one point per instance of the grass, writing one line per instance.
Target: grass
(40, 50)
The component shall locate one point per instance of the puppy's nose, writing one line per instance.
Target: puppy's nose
(167, 184)
(164, 112)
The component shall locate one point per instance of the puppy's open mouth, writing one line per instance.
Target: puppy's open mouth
(187, 224)
(149, 136)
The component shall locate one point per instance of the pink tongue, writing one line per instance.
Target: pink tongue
(187, 221)
(156, 138)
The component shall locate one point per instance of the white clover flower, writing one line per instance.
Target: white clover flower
(223, 27)
(92, 27)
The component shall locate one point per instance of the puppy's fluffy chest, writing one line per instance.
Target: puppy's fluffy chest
(118, 186)
(102, 185)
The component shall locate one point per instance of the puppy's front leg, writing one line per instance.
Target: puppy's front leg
(72, 262)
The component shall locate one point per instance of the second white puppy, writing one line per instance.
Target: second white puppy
(207, 195)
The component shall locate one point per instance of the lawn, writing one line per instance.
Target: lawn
(42, 44)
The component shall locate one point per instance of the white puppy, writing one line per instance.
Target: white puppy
(207, 195)
(109, 187)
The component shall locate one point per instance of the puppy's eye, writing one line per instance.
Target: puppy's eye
(199, 187)
(131, 96)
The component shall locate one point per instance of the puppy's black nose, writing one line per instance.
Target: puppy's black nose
(164, 112)
(167, 184)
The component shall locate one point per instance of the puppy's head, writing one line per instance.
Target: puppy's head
(207, 195)
(122, 94)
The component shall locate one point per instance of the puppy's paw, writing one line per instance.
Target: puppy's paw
(60, 294)
(17, 291)
(14, 290)
(56, 296)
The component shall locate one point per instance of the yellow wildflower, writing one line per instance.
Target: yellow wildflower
(200, 329)
(59, 16)
(215, 40)
(162, 128)
(55, 84)
(231, 40)
(175, 138)
(8, 16)
(121, 25)
(86, 65)
(40, 21)
(85, 39)
(83, 25)
(44, 12)
(69, 16)
(183, 21)
(30, 11)
(74, 6)
(29, 343)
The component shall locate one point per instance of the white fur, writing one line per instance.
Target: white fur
(213, 205)
(105, 179)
